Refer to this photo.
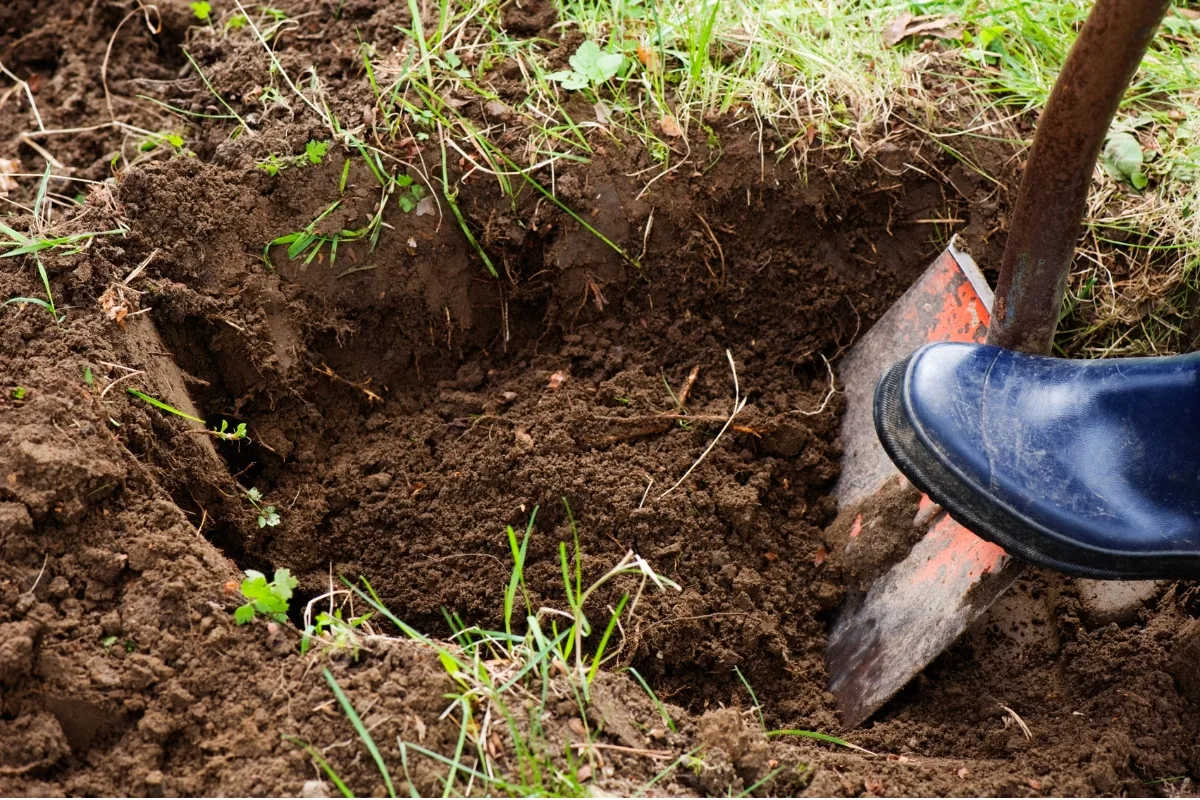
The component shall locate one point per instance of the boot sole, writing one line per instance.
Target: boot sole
(994, 521)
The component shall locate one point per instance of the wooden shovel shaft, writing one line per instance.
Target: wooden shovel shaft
(1050, 205)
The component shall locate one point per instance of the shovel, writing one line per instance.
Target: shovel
(887, 632)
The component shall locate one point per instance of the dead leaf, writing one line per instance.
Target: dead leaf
(962, 773)
(873, 785)
(576, 726)
(819, 558)
(648, 57)
(670, 126)
(425, 206)
(906, 26)
(584, 773)
(603, 113)
(7, 183)
(556, 380)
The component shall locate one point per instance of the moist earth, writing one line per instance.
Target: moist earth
(404, 407)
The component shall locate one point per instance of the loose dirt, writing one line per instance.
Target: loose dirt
(404, 407)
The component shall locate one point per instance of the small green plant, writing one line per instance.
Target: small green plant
(334, 632)
(236, 22)
(269, 599)
(201, 9)
(1122, 159)
(266, 514)
(108, 641)
(590, 67)
(408, 200)
(156, 140)
(88, 378)
(314, 153)
(19, 393)
(236, 435)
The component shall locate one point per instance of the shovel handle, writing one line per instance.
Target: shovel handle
(1053, 195)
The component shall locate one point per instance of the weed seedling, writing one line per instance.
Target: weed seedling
(314, 153)
(590, 67)
(19, 393)
(266, 514)
(408, 200)
(269, 599)
(201, 10)
(236, 435)
(336, 633)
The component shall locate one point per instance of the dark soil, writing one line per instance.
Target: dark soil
(404, 407)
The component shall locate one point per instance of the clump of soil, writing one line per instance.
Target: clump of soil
(404, 407)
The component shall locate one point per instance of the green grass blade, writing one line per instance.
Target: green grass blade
(599, 655)
(215, 93)
(160, 404)
(667, 770)
(770, 776)
(458, 749)
(757, 707)
(322, 763)
(37, 301)
(662, 709)
(360, 728)
(821, 737)
(40, 200)
(412, 790)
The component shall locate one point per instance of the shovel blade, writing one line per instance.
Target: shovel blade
(889, 631)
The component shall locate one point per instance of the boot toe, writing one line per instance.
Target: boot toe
(1085, 466)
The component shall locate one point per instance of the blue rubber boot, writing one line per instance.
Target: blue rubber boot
(1087, 467)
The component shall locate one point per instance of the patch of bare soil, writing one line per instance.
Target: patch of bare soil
(404, 407)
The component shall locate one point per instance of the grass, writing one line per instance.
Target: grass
(652, 75)
(820, 74)
(504, 680)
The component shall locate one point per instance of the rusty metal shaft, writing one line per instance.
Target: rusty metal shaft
(1053, 195)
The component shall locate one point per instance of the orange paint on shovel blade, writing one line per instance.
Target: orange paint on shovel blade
(961, 554)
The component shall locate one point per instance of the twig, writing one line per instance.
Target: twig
(646, 235)
(738, 405)
(28, 93)
(38, 579)
(118, 380)
(720, 251)
(41, 151)
(1020, 722)
(154, 29)
(138, 269)
(648, 485)
(636, 751)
